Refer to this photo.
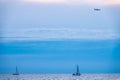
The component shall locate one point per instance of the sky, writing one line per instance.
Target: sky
(98, 2)
(59, 34)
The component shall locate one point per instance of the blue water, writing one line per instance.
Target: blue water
(60, 56)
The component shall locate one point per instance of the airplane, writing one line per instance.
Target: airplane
(96, 9)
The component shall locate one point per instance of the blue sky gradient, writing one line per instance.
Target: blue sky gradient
(58, 22)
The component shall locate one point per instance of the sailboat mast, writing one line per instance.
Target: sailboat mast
(77, 69)
(16, 70)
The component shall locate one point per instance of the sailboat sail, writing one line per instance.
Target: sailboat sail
(78, 72)
(16, 73)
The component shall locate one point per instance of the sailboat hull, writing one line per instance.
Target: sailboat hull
(15, 74)
(76, 74)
